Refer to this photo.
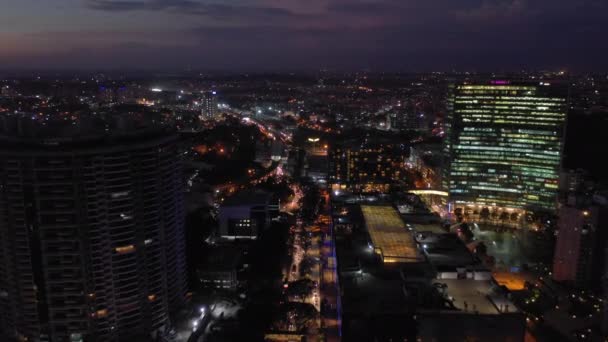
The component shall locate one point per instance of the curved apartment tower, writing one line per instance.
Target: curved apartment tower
(91, 233)
(504, 143)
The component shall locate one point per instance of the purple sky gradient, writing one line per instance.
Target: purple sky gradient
(305, 34)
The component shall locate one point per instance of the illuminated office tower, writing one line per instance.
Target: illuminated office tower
(91, 232)
(503, 146)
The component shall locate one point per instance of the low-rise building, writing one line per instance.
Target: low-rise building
(405, 280)
(246, 214)
(367, 166)
(220, 270)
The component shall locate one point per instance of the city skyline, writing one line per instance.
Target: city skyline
(294, 35)
(188, 207)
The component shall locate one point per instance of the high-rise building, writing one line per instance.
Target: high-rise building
(209, 104)
(605, 288)
(580, 249)
(91, 232)
(5, 90)
(503, 145)
(409, 115)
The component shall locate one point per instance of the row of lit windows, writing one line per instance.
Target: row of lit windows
(459, 172)
(553, 141)
(524, 171)
(467, 98)
(535, 99)
(541, 110)
(528, 137)
(513, 164)
(538, 185)
(511, 122)
(524, 119)
(524, 132)
(538, 145)
(494, 188)
(490, 114)
(486, 160)
(513, 198)
(496, 88)
(537, 148)
(489, 90)
(528, 184)
(518, 99)
(504, 138)
(494, 158)
(493, 139)
(502, 150)
(506, 198)
(507, 149)
(475, 141)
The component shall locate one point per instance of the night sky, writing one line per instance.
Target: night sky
(404, 35)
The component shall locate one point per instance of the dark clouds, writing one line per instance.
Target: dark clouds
(153, 5)
(187, 7)
(349, 34)
(128, 5)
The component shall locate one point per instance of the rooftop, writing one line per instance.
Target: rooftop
(222, 259)
(445, 250)
(431, 228)
(248, 197)
(477, 296)
(24, 132)
(389, 236)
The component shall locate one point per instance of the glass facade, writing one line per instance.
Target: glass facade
(504, 144)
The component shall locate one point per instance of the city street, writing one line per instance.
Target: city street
(323, 272)
(330, 290)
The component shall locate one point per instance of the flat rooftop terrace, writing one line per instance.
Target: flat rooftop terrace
(390, 238)
(431, 227)
(478, 295)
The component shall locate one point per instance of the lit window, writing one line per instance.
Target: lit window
(125, 249)
(120, 194)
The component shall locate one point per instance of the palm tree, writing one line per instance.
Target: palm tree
(485, 213)
(504, 216)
